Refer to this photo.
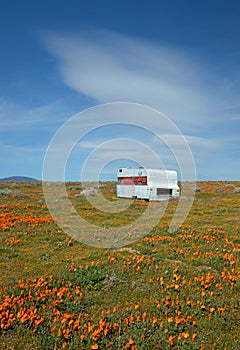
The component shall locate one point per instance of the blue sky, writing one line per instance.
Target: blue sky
(59, 58)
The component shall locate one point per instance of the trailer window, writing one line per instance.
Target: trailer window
(144, 180)
(120, 180)
(164, 191)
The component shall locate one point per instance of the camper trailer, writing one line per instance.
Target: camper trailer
(147, 184)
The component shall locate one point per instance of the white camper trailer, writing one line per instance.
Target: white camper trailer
(148, 184)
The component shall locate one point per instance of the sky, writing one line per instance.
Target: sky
(62, 59)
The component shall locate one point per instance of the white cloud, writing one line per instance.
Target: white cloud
(195, 142)
(111, 67)
(20, 150)
(13, 115)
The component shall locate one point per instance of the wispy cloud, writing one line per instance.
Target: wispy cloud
(110, 67)
(25, 132)
(17, 116)
(10, 149)
(195, 142)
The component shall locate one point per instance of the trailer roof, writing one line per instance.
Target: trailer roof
(143, 171)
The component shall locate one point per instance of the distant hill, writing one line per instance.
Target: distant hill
(18, 179)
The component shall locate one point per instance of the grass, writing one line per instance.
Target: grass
(165, 291)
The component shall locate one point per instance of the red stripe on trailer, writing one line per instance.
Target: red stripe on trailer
(133, 180)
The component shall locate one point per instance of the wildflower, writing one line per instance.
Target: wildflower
(171, 339)
(194, 336)
(94, 346)
(154, 320)
(115, 326)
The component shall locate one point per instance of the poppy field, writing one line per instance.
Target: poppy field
(167, 290)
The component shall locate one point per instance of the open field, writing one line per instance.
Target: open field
(166, 291)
